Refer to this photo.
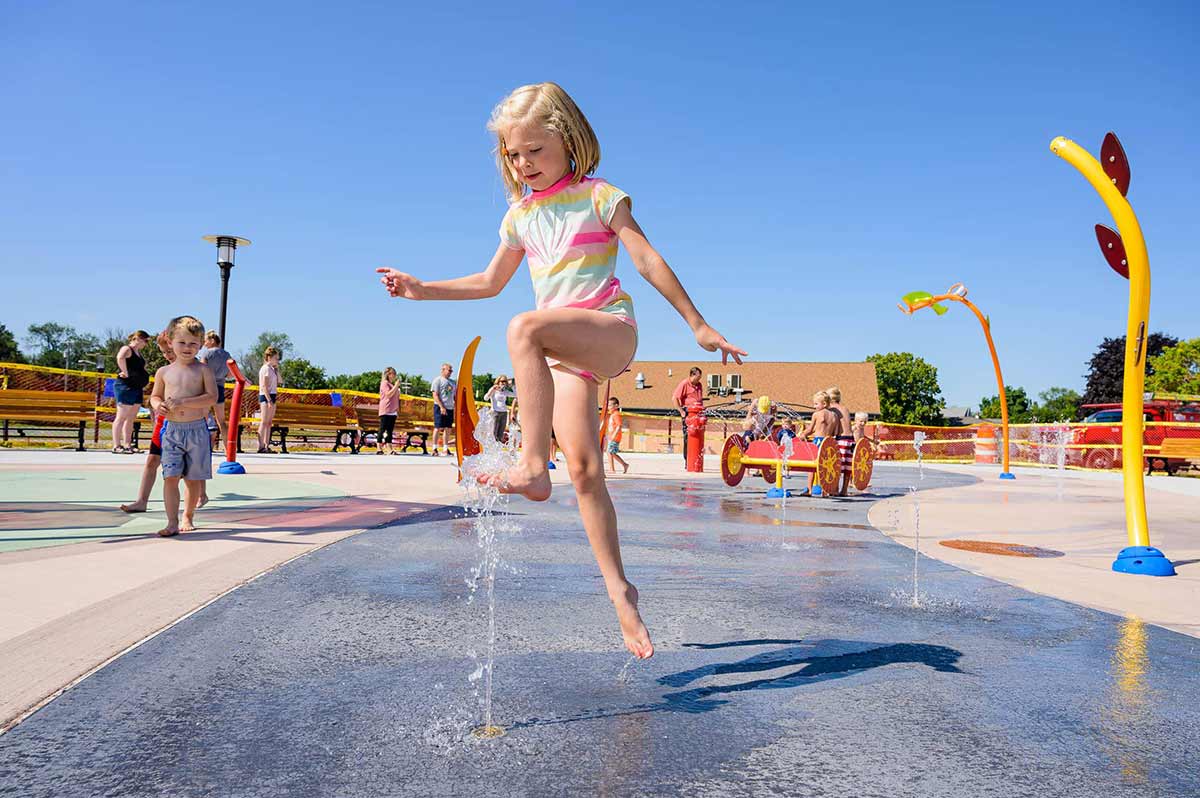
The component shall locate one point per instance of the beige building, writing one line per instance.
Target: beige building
(648, 384)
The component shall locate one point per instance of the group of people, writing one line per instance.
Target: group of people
(830, 418)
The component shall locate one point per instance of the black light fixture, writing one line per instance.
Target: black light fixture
(226, 249)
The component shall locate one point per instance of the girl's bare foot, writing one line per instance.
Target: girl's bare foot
(133, 508)
(203, 501)
(167, 532)
(637, 637)
(188, 524)
(529, 481)
(626, 471)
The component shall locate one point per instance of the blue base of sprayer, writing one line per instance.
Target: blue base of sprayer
(1007, 475)
(1144, 560)
(230, 468)
(816, 491)
(551, 466)
(778, 493)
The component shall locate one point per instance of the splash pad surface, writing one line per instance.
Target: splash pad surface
(789, 662)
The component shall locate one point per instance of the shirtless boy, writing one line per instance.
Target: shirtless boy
(183, 393)
(824, 423)
(845, 436)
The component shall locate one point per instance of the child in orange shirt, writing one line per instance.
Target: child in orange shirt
(613, 433)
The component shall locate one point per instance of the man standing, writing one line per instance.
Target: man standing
(689, 393)
(443, 389)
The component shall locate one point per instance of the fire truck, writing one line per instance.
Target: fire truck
(1167, 448)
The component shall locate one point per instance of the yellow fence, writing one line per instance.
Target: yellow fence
(1170, 445)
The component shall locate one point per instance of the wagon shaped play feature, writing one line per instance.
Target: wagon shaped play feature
(823, 461)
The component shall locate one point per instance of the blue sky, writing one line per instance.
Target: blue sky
(800, 168)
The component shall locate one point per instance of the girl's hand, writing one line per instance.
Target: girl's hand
(710, 341)
(123, 375)
(399, 284)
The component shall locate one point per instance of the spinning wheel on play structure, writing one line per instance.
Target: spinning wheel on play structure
(862, 465)
(732, 469)
(829, 466)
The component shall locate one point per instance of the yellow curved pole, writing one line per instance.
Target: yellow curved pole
(1136, 329)
(987, 334)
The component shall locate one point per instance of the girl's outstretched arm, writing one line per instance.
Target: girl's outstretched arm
(656, 271)
(481, 285)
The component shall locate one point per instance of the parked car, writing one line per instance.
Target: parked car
(1102, 434)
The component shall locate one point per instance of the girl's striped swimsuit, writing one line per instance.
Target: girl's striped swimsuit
(572, 251)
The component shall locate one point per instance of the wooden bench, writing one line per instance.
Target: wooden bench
(404, 439)
(1175, 449)
(62, 407)
(291, 416)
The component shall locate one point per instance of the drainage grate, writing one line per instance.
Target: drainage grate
(1006, 549)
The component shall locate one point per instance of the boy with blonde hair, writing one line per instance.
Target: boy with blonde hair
(824, 422)
(183, 393)
(845, 437)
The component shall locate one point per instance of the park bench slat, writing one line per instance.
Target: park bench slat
(1184, 448)
(76, 407)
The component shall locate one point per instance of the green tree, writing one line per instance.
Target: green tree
(480, 383)
(61, 345)
(414, 384)
(1106, 369)
(251, 359)
(10, 352)
(1176, 369)
(1057, 404)
(367, 382)
(1020, 409)
(300, 373)
(908, 389)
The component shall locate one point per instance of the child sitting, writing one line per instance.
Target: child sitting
(759, 420)
(786, 430)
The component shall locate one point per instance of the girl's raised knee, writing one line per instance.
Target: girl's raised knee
(522, 328)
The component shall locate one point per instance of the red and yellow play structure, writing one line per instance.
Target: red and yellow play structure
(771, 461)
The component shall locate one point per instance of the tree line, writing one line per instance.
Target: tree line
(909, 392)
(908, 385)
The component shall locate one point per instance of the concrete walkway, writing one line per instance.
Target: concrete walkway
(1078, 520)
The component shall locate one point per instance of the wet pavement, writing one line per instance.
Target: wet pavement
(790, 661)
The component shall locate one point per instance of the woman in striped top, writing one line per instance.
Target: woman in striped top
(583, 329)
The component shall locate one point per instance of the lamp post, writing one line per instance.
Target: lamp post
(226, 248)
(917, 300)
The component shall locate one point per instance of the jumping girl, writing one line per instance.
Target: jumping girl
(583, 330)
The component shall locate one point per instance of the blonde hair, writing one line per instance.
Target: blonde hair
(821, 396)
(835, 393)
(860, 417)
(214, 336)
(271, 352)
(389, 370)
(190, 324)
(139, 335)
(548, 105)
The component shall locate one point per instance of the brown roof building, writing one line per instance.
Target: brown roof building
(794, 383)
